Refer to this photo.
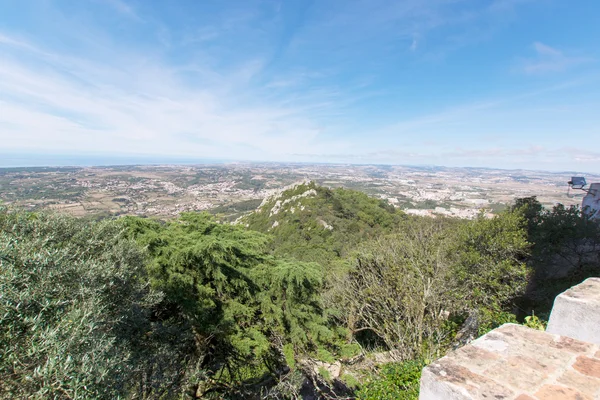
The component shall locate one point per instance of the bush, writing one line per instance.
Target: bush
(399, 289)
(395, 381)
(406, 288)
(489, 265)
(534, 322)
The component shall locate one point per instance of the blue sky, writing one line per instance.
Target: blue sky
(493, 83)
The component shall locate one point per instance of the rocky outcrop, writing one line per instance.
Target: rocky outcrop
(279, 204)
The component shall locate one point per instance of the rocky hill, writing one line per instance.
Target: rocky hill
(315, 223)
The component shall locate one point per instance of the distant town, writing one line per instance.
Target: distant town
(237, 188)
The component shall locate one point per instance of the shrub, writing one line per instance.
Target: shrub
(534, 322)
(395, 381)
(399, 289)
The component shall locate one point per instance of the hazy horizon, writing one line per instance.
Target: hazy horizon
(23, 160)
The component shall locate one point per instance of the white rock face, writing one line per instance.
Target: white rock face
(277, 193)
(280, 204)
(276, 208)
(325, 224)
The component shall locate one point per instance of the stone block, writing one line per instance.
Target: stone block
(576, 312)
(587, 366)
(557, 392)
(587, 385)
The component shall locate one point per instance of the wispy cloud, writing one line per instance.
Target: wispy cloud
(550, 59)
(545, 50)
(124, 8)
(145, 109)
(414, 44)
(435, 27)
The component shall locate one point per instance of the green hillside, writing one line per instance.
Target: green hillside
(314, 223)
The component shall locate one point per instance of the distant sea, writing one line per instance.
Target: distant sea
(12, 160)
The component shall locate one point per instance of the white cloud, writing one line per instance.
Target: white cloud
(414, 44)
(140, 105)
(216, 89)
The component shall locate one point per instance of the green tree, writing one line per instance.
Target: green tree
(490, 261)
(531, 210)
(243, 304)
(565, 251)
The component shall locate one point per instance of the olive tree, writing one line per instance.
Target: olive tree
(76, 313)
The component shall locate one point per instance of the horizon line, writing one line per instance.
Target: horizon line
(170, 160)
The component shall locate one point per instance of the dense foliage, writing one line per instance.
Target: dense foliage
(243, 304)
(394, 381)
(299, 299)
(314, 223)
(76, 313)
(408, 287)
(566, 251)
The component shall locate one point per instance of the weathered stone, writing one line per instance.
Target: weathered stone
(458, 382)
(517, 376)
(572, 345)
(556, 392)
(478, 359)
(541, 338)
(587, 385)
(534, 363)
(511, 361)
(493, 342)
(515, 340)
(524, 397)
(514, 362)
(587, 366)
(576, 312)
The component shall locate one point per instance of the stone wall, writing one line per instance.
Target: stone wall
(514, 362)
